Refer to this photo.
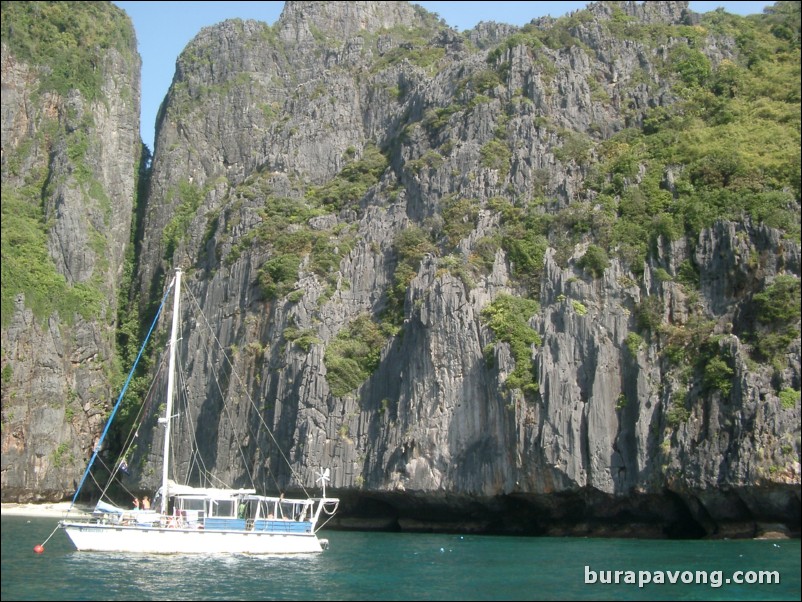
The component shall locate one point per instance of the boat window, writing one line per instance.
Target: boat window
(222, 508)
(287, 510)
(191, 504)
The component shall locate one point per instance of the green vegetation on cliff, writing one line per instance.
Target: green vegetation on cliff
(28, 268)
(508, 317)
(70, 39)
(66, 44)
(353, 355)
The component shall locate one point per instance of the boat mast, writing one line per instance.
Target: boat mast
(170, 386)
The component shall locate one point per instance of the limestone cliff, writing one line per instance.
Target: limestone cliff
(539, 279)
(70, 147)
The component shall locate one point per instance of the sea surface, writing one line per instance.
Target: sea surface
(399, 566)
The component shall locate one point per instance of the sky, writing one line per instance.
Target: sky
(163, 29)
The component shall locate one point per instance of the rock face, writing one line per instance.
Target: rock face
(354, 194)
(69, 159)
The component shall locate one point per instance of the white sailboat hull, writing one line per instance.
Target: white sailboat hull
(158, 540)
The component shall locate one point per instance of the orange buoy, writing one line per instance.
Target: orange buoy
(38, 548)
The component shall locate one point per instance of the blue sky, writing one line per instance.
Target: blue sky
(163, 29)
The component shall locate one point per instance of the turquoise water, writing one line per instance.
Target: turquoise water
(394, 566)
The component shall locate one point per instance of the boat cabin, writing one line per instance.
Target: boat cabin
(240, 510)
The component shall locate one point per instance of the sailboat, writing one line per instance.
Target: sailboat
(191, 519)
